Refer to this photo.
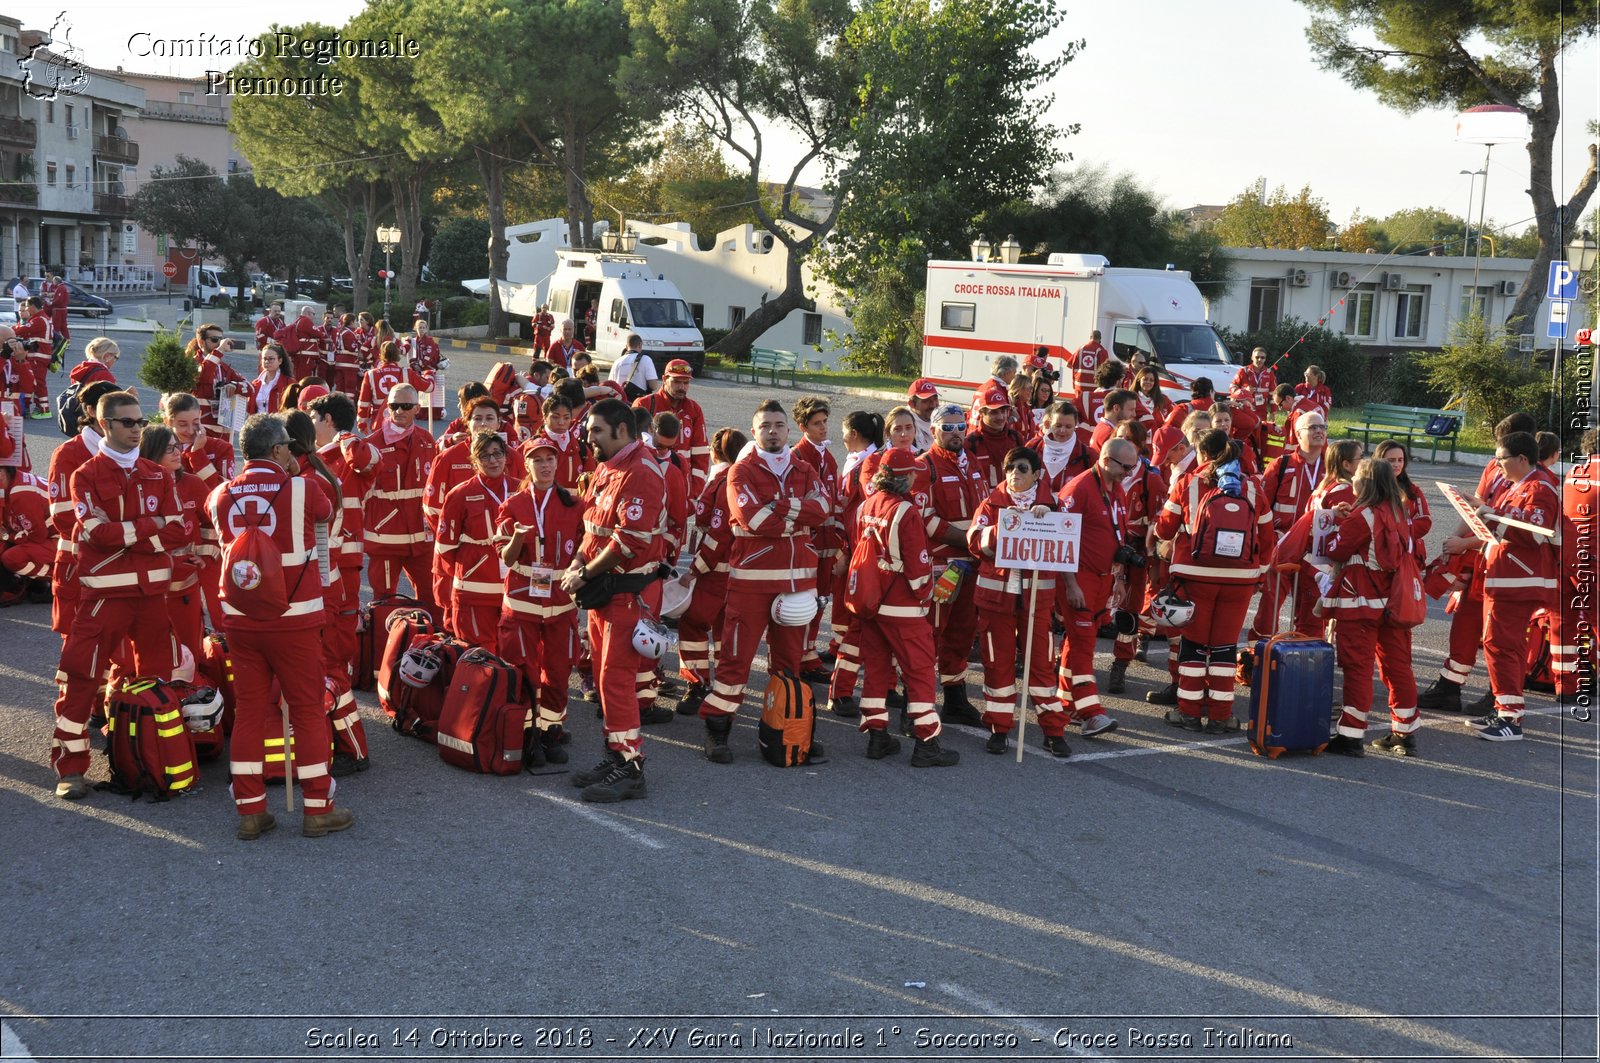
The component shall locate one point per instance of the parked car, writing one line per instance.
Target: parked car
(8, 311)
(84, 303)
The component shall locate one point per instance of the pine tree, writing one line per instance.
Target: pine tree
(167, 366)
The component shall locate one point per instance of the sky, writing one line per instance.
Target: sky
(1196, 98)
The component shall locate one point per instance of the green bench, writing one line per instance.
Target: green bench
(1406, 423)
(773, 362)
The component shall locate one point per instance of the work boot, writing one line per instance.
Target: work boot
(996, 743)
(655, 715)
(1442, 696)
(581, 779)
(1167, 695)
(1142, 653)
(845, 708)
(1484, 706)
(533, 751)
(1350, 747)
(39, 592)
(689, 704)
(718, 728)
(254, 826)
(624, 782)
(1117, 681)
(344, 764)
(72, 787)
(927, 754)
(958, 708)
(329, 822)
(1057, 746)
(554, 743)
(880, 744)
(816, 675)
(1401, 745)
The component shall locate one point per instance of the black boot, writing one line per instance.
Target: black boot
(1142, 654)
(1443, 696)
(533, 751)
(39, 592)
(554, 743)
(845, 708)
(1484, 706)
(881, 744)
(1167, 695)
(927, 754)
(718, 728)
(958, 708)
(1116, 682)
(599, 771)
(624, 782)
(689, 704)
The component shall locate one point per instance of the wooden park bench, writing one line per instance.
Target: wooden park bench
(1406, 423)
(773, 362)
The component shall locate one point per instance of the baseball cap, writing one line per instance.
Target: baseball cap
(899, 461)
(542, 443)
(310, 394)
(1037, 361)
(922, 388)
(678, 367)
(1163, 441)
(993, 399)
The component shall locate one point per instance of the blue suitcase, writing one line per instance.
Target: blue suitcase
(1291, 695)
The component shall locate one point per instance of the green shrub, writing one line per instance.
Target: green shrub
(1405, 383)
(476, 312)
(166, 367)
(1348, 366)
(1479, 365)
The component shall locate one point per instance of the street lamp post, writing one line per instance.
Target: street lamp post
(388, 239)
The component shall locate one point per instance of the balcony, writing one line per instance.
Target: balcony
(23, 192)
(113, 205)
(17, 130)
(183, 112)
(117, 149)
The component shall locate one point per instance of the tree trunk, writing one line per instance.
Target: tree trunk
(408, 209)
(793, 297)
(1553, 234)
(492, 166)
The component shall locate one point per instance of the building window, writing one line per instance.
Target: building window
(185, 97)
(1358, 309)
(958, 317)
(72, 175)
(50, 174)
(50, 111)
(8, 43)
(1265, 296)
(1475, 301)
(69, 116)
(1410, 312)
(698, 312)
(811, 330)
(735, 316)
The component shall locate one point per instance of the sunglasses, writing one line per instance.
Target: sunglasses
(129, 422)
(959, 426)
(402, 406)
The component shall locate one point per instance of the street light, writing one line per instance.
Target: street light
(1582, 254)
(1472, 186)
(980, 249)
(1010, 251)
(610, 240)
(628, 241)
(388, 239)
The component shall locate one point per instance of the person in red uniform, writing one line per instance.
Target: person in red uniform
(811, 417)
(301, 340)
(1154, 406)
(396, 535)
(922, 396)
(1464, 555)
(127, 518)
(1573, 638)
(455, 464)
(1286, 489)
(160, 446)
(994, 392)
(1315, 387)
(863, 440)
(694, 439)
(1418, 513)
(956, 489)
(216, 381)
(1272, 437)
(38, 344)
(355, 462)
(1005, 625)
(1098, 498)
(272, 651)
(56, 304)
(466, 555)
(98, 358)
(1374, 533)
(268, 325)
(564, 347)
(574, 458)
(988, 444)
(1146, 491)
(1118, 407)
(347, 355)
(265, 393)
(1519, 576)
(423, 357)
(621, 539)
(1201, 395)
(1242, 426)
(1254, 384)
(64, 461)
(775, 503)
(540, 526)
(544, 323)
(379, 381)
(1302, 406)
(1090, 357)
(1064, 447)
(706, 575)
(1221, 530)
(896, 633)
(1107, 378)
(27, 547)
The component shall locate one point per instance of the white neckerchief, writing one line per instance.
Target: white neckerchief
(264, 386)
(559, 438)
(856, 457)
(124, 461)
(716, 468)
(1056, 455)
(778, 463)
(1024, 500)
(393, 433)
(92, 439)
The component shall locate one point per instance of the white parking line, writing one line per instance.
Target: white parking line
(1032, 1029)
(11, 1047)
(601, 818)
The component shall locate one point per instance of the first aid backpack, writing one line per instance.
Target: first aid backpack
(149, 747)
(788, 721)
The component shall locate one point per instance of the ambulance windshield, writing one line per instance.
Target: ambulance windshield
(660, 313)
(1188, 343)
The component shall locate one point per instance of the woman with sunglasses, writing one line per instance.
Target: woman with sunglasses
(267, 390)
(216, 381)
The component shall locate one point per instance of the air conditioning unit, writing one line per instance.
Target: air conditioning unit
(1508, 288)
(72, 132)
(1393, 281)
(1299, 278)
(1341, 278)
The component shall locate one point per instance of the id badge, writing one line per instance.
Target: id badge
(540, 582)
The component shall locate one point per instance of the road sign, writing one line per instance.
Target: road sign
(170, 270)
(1563, 281)
(1557, 328)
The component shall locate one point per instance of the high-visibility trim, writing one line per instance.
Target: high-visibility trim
(246, 767)
(310, 771)
(1504, 583)
(1223, 575)
(396, 496)
(772, 574)
(908, 611)
(125, 579)
(475, 587)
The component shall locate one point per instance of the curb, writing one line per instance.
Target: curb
(727, 377)
(486, 348)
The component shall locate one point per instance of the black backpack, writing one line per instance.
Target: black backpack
(69, 411)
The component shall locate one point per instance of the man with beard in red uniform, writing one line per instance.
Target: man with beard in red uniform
(396, 533)
(355, 462)
(994, 438)
(811, 417)
(993, 392)
(957, 490)
(694, 441)
(621, 539)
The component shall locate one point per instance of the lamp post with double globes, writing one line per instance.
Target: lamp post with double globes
(388, 239)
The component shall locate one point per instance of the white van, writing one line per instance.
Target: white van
(626, 297)
(977, 310)
(205, 285)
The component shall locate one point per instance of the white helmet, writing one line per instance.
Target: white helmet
(650, 639)
(419, 665)
(202, 710)
(675, 598)
(184, 673)
(1169, 610)
(794, 608)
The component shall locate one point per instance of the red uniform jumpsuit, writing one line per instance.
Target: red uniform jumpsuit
(701, 623)
(302, 341)
(346, 368)
(26, 543)
(56, 300)
(625, 498)
(1090, 357)
(64, 588)
(263, 397)
(1104, 527)
(957, 489)
(1146, 492)
(267, 326)
(693, 441)
(1520, 575)
(213, 376)
(1153, 415)
(1466, 619)
(424, 359)
(1369, 543)
(273, 654)
(37, 335)
(126, 522)
(538, 622)
(355, 462)
(1005, 626)
(1573, 640)
(1286, 490)
(467, 561)
(988, 450)
(189, 563)
(544, 323)
(773, 515)
(1320, 397)
(898, 634)
(396, 536)
(1254, 388)
(828, 539)
(1060, 462)
(560, 353)
(1220, 589)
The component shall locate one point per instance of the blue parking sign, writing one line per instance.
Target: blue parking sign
(1563, 281)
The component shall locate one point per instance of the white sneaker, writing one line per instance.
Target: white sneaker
(1099, 723)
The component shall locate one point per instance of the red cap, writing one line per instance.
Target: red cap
(1163, 441)
(899, 461)
(678, 367)
(922, 388)
(993, 399)
(541, 443)
(310, 394)
(1037, 361)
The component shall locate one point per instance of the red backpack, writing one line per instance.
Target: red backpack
(252, 565)
(1223, 532)
(869, 573)
(151, 750)
(1408, 604)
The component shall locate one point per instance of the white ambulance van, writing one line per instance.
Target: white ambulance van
(978, 310)
(627, 297)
